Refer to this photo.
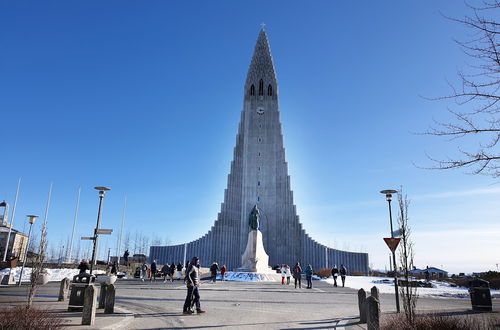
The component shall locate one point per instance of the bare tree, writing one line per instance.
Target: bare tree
(476, 96)
(37, 267)
(156, 241)
(408, 292)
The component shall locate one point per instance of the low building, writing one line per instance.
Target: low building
(18, 242)
(434, 273)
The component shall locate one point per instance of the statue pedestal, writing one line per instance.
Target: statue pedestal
(255, 258)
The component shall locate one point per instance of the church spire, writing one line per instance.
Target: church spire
(262, 66)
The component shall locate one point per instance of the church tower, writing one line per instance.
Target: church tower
(259, 176)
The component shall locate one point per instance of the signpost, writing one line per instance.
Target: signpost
(104, 231)
(87, 238)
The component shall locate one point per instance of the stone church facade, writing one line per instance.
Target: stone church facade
(259, 176)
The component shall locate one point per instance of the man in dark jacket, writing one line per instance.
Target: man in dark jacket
(343, 273)
(154, 269)
(335, 273)
(213, 270)
(83, 266)
(192, 283)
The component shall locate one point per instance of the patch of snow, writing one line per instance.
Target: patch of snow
(386, 285)
(56, 274)
(247, 277)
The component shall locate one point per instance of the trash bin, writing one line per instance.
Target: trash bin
(480, 295)
(80, 282)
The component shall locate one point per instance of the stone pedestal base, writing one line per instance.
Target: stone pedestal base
(255, 258)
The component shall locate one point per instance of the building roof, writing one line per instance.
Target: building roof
(5, 229)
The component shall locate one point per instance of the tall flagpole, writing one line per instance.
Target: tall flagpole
(118, 252)
(11, 221)
(70, 257)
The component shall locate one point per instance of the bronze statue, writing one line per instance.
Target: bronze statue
(253, 218)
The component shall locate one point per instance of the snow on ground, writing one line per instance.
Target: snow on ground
(56, 274)
(247, 277)
(386, 285)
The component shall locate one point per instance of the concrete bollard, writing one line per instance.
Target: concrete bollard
(102, 296)
(89, 305)
(109, 307)
(372, 313)
(375, 293)
(63, 289)
(362, 305)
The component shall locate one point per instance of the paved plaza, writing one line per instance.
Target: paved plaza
(231, 305)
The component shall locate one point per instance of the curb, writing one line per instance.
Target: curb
(128, 317)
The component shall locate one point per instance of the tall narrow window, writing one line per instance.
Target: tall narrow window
(261, 87)
(252, 90)
(270, 90)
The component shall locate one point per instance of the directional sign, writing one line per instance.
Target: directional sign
(392, 243)
(89, 238)
(104, 231)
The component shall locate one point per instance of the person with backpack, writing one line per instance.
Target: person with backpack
(192, 280)
(335, 273)
(172, 271)
(343, 273)
(165, 270)
(309, 273)
(297, 275)
(213, 271)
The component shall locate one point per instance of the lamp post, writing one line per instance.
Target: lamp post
(388, 196)
(102, 191)
(32, 219)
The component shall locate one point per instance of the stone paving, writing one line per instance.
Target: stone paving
(231, 305)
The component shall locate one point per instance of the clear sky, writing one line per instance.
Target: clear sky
(145, 97)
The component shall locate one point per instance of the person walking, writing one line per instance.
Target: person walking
(83, 266)
(213, 271)
(192, 284)
(114, 269)
(154, 269)
(297, 275)
(223, 272)
(144, 271)
(179, 271)
(288, 274)
(172, 271)
(343, 273)
(309, 273)
(283, 274)
(335, 273)
(165, 270)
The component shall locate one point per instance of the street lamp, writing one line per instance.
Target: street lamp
(32, 219)
(388, 196)
(102, 191)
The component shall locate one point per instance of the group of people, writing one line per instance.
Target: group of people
(296, 272)
(152, 272)
(336, 272)
(213, 271)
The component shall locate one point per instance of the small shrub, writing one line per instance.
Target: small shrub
(33, 318)
(324, 272)
(357, 273)
(440, 322)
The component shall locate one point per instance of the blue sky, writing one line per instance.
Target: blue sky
(145, 97)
